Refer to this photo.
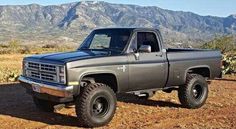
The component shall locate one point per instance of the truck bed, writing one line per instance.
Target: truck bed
(182, 60)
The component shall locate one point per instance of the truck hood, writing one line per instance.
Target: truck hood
(68, 56)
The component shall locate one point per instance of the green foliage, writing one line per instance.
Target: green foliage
(224, 44)
(227, 46)
(229, 64)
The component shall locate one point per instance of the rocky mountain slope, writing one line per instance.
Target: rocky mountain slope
(68, 22)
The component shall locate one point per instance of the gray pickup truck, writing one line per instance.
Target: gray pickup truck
(118, 60)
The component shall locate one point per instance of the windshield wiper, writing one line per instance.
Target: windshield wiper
(83, 49)
(102, 47)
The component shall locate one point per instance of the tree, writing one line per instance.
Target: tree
(224, 44)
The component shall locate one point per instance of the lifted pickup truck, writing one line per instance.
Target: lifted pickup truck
(118, 60)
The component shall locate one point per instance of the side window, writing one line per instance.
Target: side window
(148, 38)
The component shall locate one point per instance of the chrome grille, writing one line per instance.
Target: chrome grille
(32, 65)
(45, 67)
(48, 77)
(40, 71)
(34, 74)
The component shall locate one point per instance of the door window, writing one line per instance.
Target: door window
(148, 38)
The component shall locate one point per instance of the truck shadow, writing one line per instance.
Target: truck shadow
(15, 102)
(129, 98)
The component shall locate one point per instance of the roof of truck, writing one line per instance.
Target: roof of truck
(127, 28)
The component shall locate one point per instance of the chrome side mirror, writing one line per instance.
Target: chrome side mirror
(145, 49)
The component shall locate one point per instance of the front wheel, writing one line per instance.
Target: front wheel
(96, 105)
(194, 93)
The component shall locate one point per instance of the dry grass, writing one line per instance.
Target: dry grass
(11, 57)
(10, 66)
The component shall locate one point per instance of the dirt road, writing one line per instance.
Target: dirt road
(161, 111)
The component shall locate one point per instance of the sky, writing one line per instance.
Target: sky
(222, 8)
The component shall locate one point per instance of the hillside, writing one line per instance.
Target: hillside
(69, 22)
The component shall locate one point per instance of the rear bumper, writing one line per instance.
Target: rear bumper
(48, 92)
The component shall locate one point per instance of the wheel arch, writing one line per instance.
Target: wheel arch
(203, 70)
(107, 78)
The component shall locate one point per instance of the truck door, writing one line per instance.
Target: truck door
(147, 70)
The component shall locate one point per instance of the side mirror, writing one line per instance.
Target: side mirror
(145, 49)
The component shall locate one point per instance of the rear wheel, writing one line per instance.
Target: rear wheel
(96, 105)
(44, 105)
(194, 93)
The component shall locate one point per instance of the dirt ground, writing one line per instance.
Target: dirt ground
(161, 111)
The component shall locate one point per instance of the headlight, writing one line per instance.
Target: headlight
(62, 79)
(62, 69)
(62, 74)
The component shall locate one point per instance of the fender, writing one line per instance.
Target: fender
(98, 72)
(194, 67)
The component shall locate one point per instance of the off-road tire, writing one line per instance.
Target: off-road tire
(87, 109)
(194, 93)
(44, 105)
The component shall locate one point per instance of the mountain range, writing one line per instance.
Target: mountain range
(70, 22)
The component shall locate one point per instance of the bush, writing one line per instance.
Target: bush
(50, 46)
(14, 44)
(11, 47)
(227, 46)
(9, 75)
(12, 77)
(5, 51)
(25, 50)
(229, 64)
(224, 44)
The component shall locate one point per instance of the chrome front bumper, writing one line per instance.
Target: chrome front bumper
(59, 91)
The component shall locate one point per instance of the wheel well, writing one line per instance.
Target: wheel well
(204, 71)
(108, 79)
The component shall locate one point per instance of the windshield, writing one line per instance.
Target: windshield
(112, 40)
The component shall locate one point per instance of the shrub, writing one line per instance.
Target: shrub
(9, 75)
(224, 44)
(229, 64)
(5, 51)
(227, 47)
(14, 44)
(50, 46)
(12, 77)
(25, 50)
